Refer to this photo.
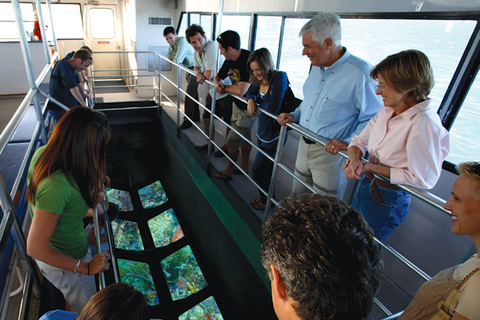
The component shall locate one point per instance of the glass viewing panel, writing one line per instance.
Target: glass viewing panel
(102, 23)
(126, 235)
(463, 133)
(152, 195)
(121, 198)
(183, 274)
(240, 24)
(139, 276)
(195, 18)
(165, 229)
(207, 309)
(67, 19)
(183, 25)
(268, 34)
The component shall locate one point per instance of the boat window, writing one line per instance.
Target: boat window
(443, 41)
(194, 18)
(102, 23)
(291, 59)
(240, 24)
(463, 133)
(268, 34)
(8, 26)
(67, 19)
(206, 23)
(183, 25)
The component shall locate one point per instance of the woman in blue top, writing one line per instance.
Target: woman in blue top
(268, 88)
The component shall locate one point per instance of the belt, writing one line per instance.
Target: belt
(308, 141)
(376, 182)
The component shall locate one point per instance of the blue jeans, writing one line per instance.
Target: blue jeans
(383, 216)
(262, 166)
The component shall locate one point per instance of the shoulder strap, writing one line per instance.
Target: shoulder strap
(449, 305)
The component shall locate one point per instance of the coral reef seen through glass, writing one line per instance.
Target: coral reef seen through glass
(152, 195)
(126, 235)
(165, 228)
(138, 275)
(183, 274)
(205, 310)
(120, 197)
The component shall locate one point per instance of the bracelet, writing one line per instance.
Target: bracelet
(88, 266)
(76, 267)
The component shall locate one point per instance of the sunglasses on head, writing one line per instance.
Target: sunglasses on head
(476, 168)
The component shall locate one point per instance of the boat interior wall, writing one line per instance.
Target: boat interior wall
(13, 65)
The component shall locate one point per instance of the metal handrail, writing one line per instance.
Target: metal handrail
(421, 194)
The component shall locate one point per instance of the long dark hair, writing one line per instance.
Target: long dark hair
(78, 148)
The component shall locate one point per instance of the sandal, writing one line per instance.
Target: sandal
(223, 176)
(259, 206)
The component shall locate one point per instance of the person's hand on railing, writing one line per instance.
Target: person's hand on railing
(220, 88)
(334, 146)
(284, 118)
(251, 107)
(99, 263)
(353, 169)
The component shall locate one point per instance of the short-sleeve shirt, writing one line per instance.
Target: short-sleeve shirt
(207, 61)
(236, 70)
(63, 78)
(60, 194)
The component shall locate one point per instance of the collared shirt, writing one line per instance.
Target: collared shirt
(207, 61)
(413, 144)
(340, 100)
(182, 52)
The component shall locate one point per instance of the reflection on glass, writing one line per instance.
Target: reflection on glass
(165, 229)
(126, 235)
(152, 195)
(207, 309)
(292, 61)
(121, 198)
(240, 24)
(268, 34)
(183, 274)
(138, 275)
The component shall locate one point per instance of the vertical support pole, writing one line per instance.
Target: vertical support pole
(43, 30)
(29, 67)
(101, 279)
(278, 155)
(179, 96)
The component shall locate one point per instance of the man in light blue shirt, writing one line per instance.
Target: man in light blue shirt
(339, 100)
(181, 52)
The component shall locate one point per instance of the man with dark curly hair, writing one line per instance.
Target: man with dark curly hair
(322, 260)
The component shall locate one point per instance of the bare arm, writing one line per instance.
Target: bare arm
(239, 89)
(41, 231)
(76, 93)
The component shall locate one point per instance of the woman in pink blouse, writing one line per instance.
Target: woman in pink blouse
(406, 142)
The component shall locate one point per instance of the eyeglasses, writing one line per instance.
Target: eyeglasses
(476, 169)
(380, 87)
